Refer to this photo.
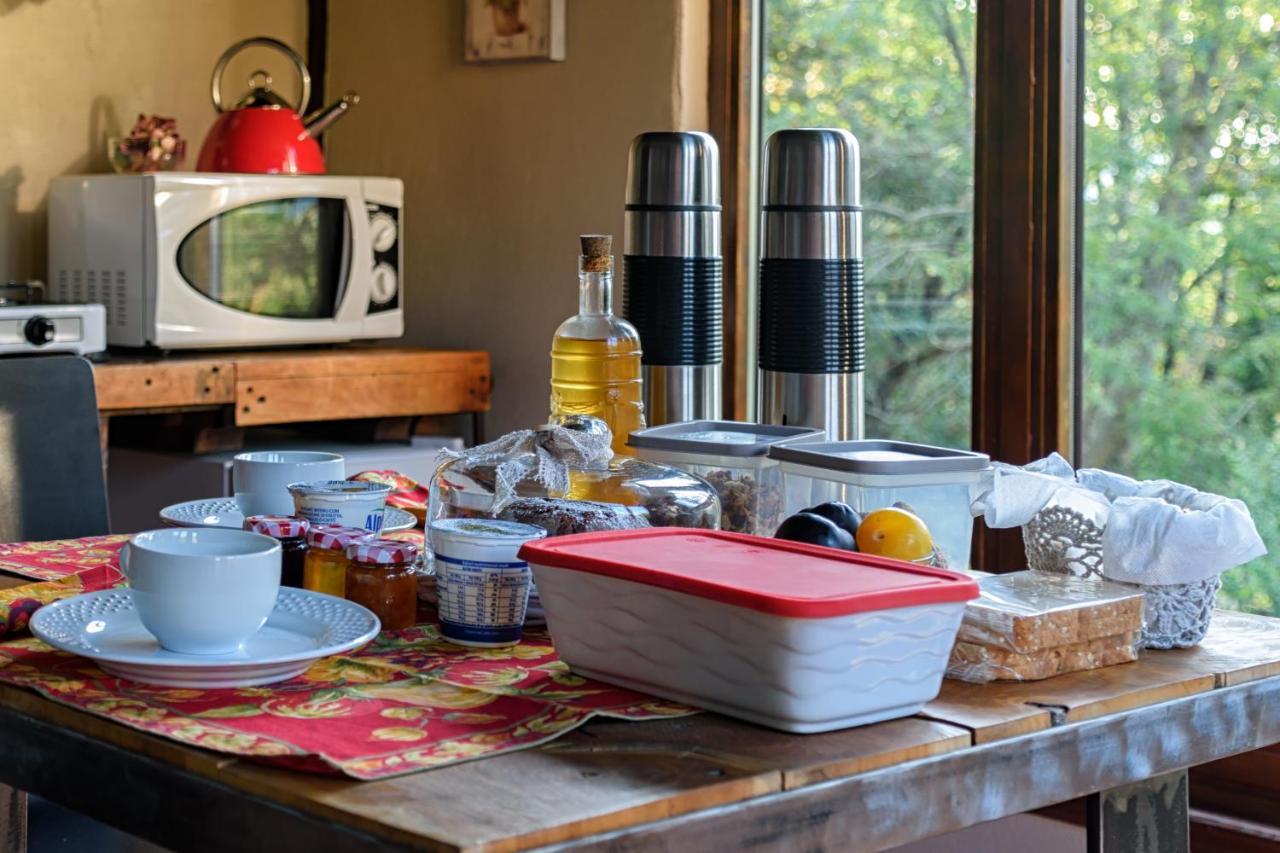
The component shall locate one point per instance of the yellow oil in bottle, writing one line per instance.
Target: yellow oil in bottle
(600, 378)
(595, 356)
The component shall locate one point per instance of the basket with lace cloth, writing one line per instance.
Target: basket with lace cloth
(1172, 541)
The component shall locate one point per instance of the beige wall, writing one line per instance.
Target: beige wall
(505, 164)
(78, 71)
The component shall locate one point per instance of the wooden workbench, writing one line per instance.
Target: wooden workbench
(299, 385)
(977, 753)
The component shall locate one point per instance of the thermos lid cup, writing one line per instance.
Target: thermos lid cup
(674, 170)
(811, 169)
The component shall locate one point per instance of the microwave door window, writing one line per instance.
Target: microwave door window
(280, 258)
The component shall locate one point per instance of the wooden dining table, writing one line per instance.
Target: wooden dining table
(1123, 736)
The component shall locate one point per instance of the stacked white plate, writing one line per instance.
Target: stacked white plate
(223, 512)
(304, 627)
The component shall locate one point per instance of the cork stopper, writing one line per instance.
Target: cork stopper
(596, 252)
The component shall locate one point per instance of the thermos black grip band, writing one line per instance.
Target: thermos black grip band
(811, 316)
(676, 306)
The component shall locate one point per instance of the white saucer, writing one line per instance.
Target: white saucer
(304, 627)
(223, 512)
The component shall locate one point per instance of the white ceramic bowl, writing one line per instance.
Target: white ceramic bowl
(202, 591)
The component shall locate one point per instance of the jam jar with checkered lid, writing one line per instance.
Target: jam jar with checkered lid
(292, 534)
(325, 569)
(382, 577)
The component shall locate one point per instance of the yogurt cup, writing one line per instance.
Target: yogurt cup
(482, 586)
(349, 503)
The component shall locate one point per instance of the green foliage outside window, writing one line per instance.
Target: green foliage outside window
(1181, 191)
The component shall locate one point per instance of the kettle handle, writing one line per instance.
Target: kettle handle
(265, 41)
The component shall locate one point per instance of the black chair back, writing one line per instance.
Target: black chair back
(51, 482)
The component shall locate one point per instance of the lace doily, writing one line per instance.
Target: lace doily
(1061, 540)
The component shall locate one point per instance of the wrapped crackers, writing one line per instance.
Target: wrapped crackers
(1027, 626)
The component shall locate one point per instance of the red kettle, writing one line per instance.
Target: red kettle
(263, 133)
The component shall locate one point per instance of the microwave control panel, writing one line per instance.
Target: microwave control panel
(384, 236)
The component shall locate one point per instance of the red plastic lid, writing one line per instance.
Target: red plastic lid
(277, 526)
(768, 575)
(335, 537)
(382, 551)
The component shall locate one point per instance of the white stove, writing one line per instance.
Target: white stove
(81, 329)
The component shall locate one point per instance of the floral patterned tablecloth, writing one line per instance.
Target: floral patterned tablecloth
(407, 701)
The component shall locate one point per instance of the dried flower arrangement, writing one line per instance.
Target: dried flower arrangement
(152, 145)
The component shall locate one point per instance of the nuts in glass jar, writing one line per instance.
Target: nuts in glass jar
(746, 504)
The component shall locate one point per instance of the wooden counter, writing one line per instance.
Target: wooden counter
(293, 386)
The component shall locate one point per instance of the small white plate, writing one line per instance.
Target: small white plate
(223, 512)
(305, 627)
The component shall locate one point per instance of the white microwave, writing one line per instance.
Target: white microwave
(185, 260)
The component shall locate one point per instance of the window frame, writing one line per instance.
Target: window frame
(1024, 270)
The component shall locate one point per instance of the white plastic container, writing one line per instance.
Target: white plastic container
(795, 637)
(483, 588)
(734, 458)
(937, 483)
(349, 503)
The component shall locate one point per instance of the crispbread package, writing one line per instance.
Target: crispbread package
(1027, 612)
(976, 662)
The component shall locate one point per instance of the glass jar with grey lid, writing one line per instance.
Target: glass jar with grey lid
(732, 457)
(938, 484)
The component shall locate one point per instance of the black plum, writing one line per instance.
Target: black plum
(815, 530)
(841, 514)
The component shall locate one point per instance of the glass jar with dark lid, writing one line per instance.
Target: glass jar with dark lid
(292, 534)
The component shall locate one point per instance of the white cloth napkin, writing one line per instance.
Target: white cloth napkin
(1154, 531)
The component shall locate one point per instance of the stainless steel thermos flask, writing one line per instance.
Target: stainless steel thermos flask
(812, 334)
(672, 273)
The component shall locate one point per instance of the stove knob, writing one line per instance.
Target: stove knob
(38, 330)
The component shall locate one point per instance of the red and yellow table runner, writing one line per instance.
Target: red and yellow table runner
(407, 701)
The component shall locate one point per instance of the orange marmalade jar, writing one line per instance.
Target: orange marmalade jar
(382, 576)
(325, 569)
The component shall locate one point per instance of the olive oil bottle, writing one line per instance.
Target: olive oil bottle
(595, 356)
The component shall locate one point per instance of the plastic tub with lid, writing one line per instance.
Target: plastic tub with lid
(938, 484)
(795, 637)
(734, 458)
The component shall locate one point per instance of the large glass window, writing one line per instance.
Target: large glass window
(899, 75)
(1181, 273)
(281, 258)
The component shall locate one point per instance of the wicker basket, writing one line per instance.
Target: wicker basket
(1061, 540)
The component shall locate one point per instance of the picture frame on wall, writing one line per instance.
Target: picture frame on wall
(514, 30)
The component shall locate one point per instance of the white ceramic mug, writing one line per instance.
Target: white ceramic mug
(202, 591)
(261, 477)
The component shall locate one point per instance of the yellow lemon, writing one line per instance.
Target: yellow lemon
(892, 532)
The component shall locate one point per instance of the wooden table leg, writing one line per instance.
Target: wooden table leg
(1146, 817)
(13, 820)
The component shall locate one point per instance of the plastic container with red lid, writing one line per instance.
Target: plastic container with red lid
(796, 637)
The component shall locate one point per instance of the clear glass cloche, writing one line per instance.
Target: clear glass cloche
(564, 478)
